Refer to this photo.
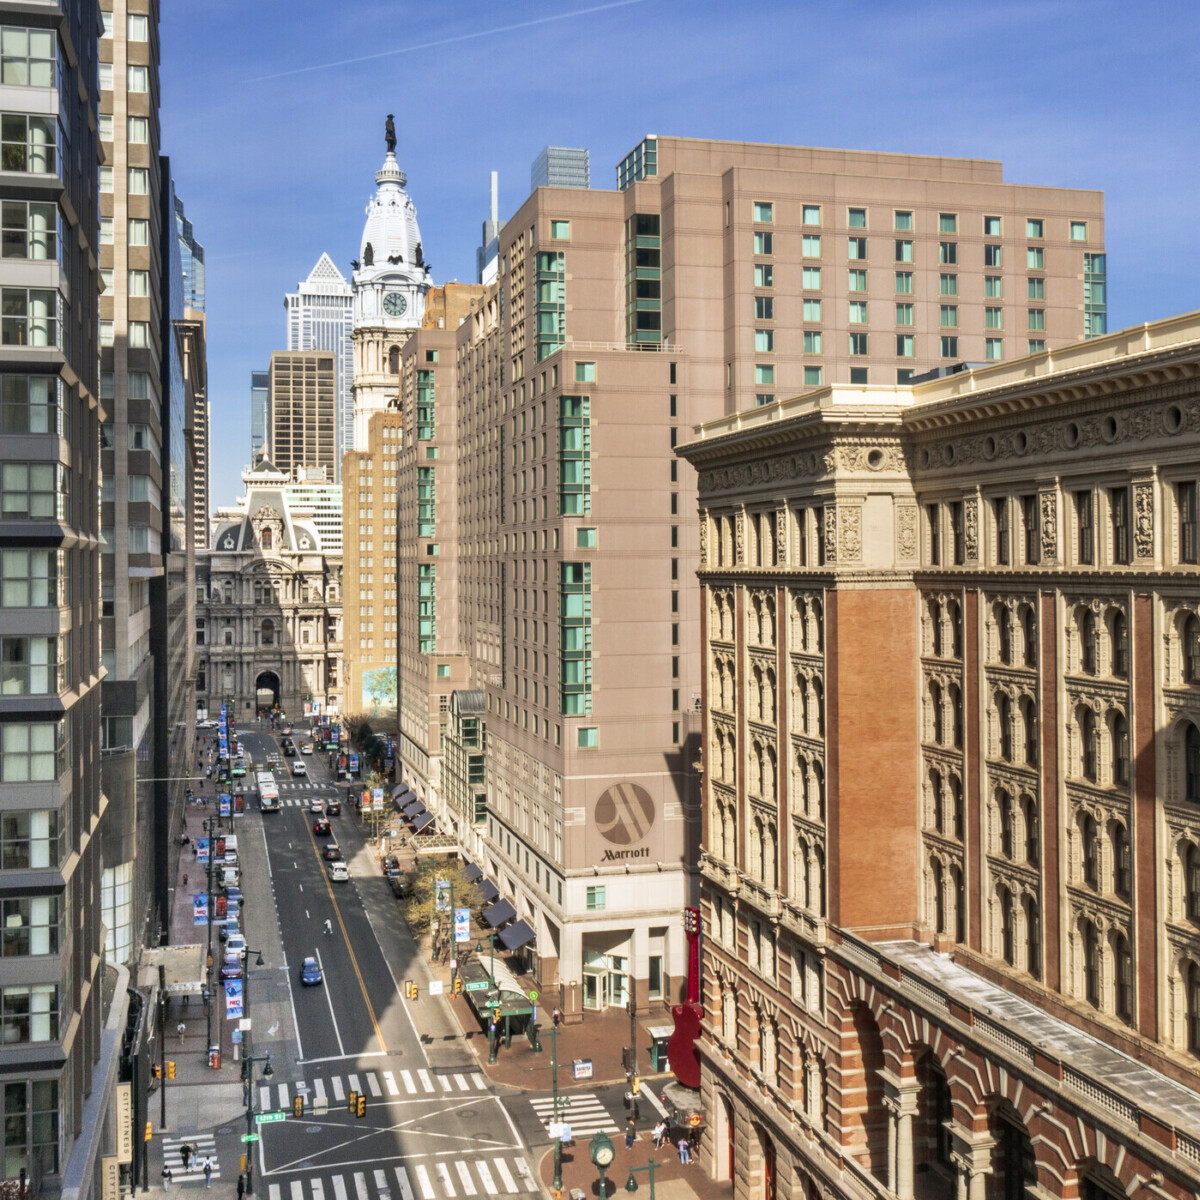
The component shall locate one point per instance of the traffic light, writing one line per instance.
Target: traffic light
(361, 1108)
(458, 985)
(411, 991)
(149, 1130)
(157, 1071)
(170, 1069)
(353, 1105)
(637, 1084)
(298, 1106)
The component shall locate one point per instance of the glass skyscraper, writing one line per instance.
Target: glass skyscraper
(191, 254)
(260, 413)
(320, 316)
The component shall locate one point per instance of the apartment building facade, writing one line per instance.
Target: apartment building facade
(951, 762)
(618, 320)
(302, 408)
(54, 1054)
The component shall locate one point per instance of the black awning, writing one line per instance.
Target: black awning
(515, 936)
(500, 912)
(472, 872)
(422, 821)
(488, 890)
(399, 790)
(414, 808)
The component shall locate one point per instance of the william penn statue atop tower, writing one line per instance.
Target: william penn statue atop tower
(389, 134)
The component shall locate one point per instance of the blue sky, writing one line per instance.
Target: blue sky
(273, 118)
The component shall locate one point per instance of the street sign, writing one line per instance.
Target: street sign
(249, 1137)
(269, 1118)
(477, 985)
(244, 1023)
(435, 987)
(533, 996)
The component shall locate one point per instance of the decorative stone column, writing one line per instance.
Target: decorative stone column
(900, 1100)
(973, 1164)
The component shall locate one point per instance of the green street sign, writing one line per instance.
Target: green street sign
(267, 1118)
(477, 985)
(533, 996)
(249, 1137)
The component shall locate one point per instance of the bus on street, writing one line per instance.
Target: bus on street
(268, 792)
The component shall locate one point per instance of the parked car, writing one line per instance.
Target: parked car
(390, 863)
(332, 852)
(399, 885)
(227, 927)
(321, 826)
(338, 872)
(236, 944)
(310, 972)
(231, 968)
(333, 808)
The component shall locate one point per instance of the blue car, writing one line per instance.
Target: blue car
(310, 972)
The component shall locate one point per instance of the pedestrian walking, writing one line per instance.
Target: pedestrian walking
(630, 1133)
(659, 1134)
(166, 1173)
(556, 1017)
(185, 1154)
(208, 1170)
(241, 1186)
(181, 1029)
(684, 1152)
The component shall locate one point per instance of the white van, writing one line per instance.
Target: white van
(231, 876)
(231, 849)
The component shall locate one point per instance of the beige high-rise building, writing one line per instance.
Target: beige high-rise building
(303, 408)
(719, 276)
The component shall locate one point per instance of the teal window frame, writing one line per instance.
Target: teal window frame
(426, 388)
(574, 456)
(643, 280)
(575, 637)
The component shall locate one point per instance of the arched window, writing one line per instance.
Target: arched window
(819, 707)
(1191, 649)
(819, 626)
(1004, 810)
(939, 896)
(1090, 942)
(1119, 632)
(1118, 836)
(1089, 851)
(1120, 750)
(267, 534)
(1004, 634)
(957, 812)
(1029, 724)
(228, 592)
(1192, 988)
(1191, 881)
(394, 361)
(934, 816)
(258, 591)
(954, 611)
(1004, 721)
(1087, 642)
(960, 908)
(1123, 976)
(956, 712)
(1008, 949)
(935, 704)
(1030, 813)
(1088, 756)
(1029, 635)
(935, 625)
(268, 632)
(1033, 940)
(1191, 764)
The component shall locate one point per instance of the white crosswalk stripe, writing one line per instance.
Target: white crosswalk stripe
(373, 1084)
(585, 1114)
(355, 1086)
(389, 1081)
(380, 1086)
(319, 1089)
(339, 1092)
(206, 1147)
(426, 1082)
(437, 1178)
(444, 1080)
(409, 1086)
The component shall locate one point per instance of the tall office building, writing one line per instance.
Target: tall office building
(193, 342)
(260, 414)
(618, 320)
(561, 167)
(57, 1060)
(191, 253)
(487, 253)
(950, 640)
(302, 401)
(320, 316)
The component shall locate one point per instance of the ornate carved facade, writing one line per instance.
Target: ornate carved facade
(951, 870)
(268, 605)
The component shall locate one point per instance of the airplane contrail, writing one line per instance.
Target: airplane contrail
(464, 37)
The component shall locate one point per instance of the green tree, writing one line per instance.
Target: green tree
(420, 906)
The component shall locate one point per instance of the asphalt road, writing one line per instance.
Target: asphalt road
(432, 1129)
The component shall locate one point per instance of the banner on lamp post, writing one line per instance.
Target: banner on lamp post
(200, 909)
(233, 999)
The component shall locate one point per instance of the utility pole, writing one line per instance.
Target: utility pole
(559, 1104)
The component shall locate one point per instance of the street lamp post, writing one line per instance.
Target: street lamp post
(493, 998)
(559, 1104)
(631, 1184)
(602, 1152)
(248, 1075)
(258, 962)
(208, 827)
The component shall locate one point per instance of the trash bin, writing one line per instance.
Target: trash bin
(214, 1057)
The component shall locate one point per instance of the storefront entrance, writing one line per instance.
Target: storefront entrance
(605, 981)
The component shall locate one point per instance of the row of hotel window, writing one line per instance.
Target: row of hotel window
(813, 309)
(904, 251)
(903, 221)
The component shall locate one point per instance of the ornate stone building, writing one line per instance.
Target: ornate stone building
(951, 859)
(269, 605)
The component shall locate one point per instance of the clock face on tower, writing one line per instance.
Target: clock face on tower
(394, 304)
